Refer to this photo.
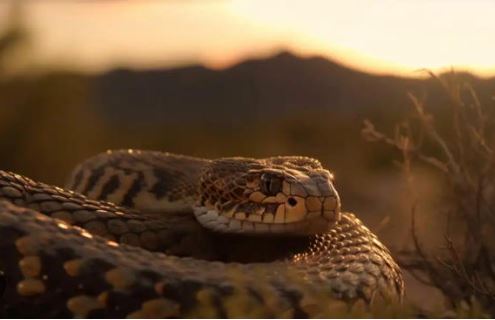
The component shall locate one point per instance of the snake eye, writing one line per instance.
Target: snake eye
(271, 184)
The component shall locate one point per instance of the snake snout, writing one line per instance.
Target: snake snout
(312, 202)
(324, 200)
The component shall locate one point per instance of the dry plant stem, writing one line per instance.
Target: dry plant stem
(431, 131)
(463, 153)
(372, 135)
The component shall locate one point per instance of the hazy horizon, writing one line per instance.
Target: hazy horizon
(384, 37)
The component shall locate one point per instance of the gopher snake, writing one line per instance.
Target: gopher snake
(280, 245)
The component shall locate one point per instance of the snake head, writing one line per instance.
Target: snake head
(280, 195)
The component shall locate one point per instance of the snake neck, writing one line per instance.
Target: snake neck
(350, 254)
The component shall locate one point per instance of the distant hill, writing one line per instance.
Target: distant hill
(254, 89)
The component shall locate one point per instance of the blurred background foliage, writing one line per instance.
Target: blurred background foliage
(281, 105)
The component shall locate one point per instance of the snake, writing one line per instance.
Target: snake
(141, 234)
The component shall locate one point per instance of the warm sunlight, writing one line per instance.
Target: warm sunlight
(378, 36)
(388, 36)
(247, 159)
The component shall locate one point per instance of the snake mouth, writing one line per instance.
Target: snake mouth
(295, 215)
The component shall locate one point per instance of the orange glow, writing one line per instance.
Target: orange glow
(386, 36)
(377, 36)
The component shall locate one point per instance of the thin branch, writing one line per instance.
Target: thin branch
(465, 271)
(431, 131)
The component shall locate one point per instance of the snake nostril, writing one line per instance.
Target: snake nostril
(292, 202)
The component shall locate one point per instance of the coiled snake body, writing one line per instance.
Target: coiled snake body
(271, 241)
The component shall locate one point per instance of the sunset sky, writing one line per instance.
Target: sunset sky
(381, 36)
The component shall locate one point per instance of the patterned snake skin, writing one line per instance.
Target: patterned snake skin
(135, 250)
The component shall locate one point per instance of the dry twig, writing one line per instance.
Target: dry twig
(463, 152)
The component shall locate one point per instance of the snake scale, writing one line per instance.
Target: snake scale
(151, 234)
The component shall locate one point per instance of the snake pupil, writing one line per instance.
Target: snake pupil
(267, 186)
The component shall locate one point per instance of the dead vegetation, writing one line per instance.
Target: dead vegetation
(457, 143)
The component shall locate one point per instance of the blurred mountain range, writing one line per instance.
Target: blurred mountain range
(284, 104)
(258, 89)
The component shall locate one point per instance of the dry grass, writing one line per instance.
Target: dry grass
(457, 143)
